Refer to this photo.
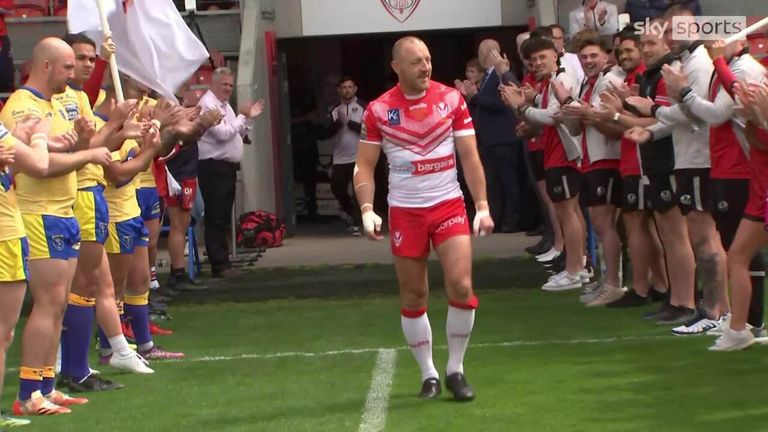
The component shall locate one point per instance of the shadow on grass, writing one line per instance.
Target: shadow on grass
(352, 281)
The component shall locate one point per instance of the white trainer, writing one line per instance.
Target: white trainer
(606, 294)
(699, 324)
(548, 255)
(586, 276)
(590, 292)
(722, 323)
(563, 281)
(132, 363)
(733, 340)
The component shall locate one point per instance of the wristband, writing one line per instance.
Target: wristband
(654, 109)
(685, 91)
(362, 207)
(38, 137)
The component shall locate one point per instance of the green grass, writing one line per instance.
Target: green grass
(527, 374)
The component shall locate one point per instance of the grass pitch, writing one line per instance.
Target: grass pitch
(295, 350)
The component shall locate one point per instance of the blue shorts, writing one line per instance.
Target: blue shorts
(52, 237)
(13, 260)
(124, 237)
(92, 214)
(149, 203)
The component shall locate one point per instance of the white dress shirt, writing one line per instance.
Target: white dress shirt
(225, 140)
(577, 21)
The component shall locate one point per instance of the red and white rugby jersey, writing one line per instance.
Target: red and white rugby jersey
(416, 134)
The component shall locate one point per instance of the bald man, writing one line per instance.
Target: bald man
(420, 125)
(500, 150)
(53, 232)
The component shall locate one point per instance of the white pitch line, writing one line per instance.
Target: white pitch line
(267, 356)
(375, 350)
(377, 401)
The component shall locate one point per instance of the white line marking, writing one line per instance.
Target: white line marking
(480, 345)
(267, 356)
(377, 401)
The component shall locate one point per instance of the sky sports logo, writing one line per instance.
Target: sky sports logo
(690, 28)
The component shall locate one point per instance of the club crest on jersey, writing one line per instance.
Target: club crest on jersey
(58, 242)
(397, 238)
(400, 10)
(443, 109)
(393, 117)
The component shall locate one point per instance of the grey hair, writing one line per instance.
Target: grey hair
(222, 71)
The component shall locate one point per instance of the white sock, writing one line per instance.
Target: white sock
(418, 335)
(120, 345)
(458, 327)
(146, 347)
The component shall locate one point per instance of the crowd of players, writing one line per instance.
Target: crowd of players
(79, 207)
(671, 137)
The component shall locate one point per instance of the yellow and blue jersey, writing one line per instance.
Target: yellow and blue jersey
(76, 104)
(11, 226)
(146, 179)
(121, 198)
(52, 196)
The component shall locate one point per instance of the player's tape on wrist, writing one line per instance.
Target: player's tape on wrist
(371, 222)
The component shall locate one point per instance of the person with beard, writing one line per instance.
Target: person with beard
(690, 137)
(426, 204)
(52, 229)
(657, 162)
(731, 173)
(345, 131)
(642, 240)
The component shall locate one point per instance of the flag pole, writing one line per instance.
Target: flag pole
(743, 34)
(113, 59)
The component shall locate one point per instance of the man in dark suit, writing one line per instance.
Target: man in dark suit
(500, 150)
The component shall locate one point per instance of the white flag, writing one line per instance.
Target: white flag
(154, 44)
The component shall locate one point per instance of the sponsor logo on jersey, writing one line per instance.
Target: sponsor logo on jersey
(430, 166)
(393, 117)
(72, 112)
(400, 10)
(456, 220)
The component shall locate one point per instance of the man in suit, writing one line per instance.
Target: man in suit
(500, 150)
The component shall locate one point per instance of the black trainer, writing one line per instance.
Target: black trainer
(657, 296)
(675, 315)
(430, 388)
(630, 299)
(539, 248)
(456, 383)
(93, 383)
(665, 307)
